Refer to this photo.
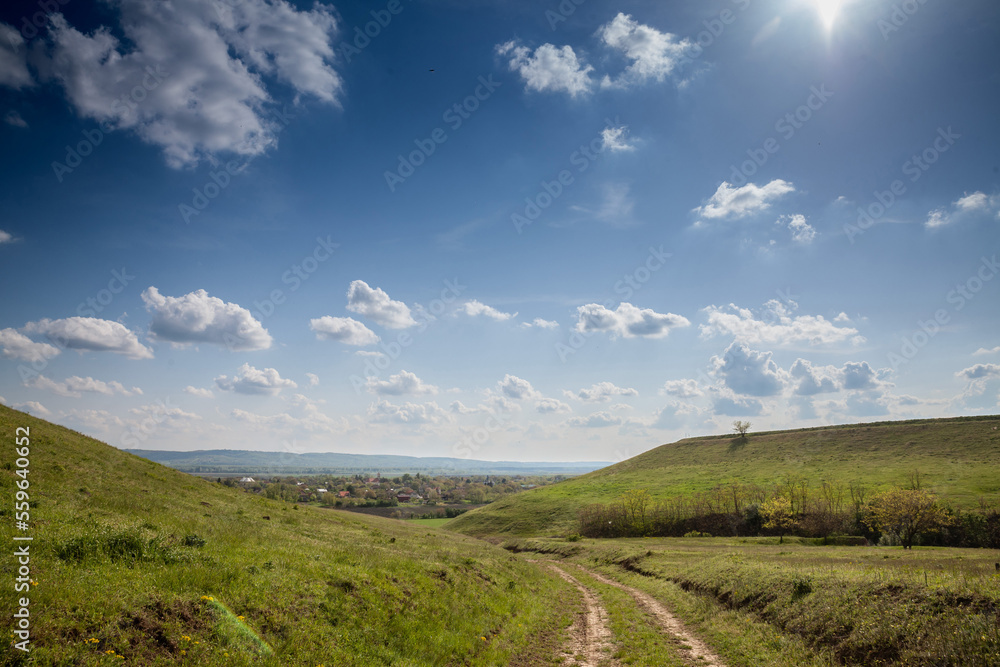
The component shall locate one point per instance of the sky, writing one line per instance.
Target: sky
(539, 231)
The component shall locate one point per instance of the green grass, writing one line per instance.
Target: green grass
(959, 459)
(430, 523)
(133, 559)
(760, 603)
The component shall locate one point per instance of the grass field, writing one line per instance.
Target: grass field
(761, 603)
(430, 523)
(959, 459)
(133, 563)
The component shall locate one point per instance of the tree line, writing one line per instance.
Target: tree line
(904, 515)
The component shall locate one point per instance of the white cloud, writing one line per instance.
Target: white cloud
(730, 203)
(813, 379)
(376, 305)
(978, 352)
(977, 202)
(802, 232)
(88, 333)
(402, 383)
(749, 372)
(548, 68)
(516, 388)
(14, 119)
(95, 420)
(33, 408)
(980, 371)
(13, 59)
(200, 69)
(73, 386)
(474, 308)
(616, 205)
(200, 393)
(653, 54)
(775, 325)
(347, 330)
(6, 237)
(540, 324)
(595, 420)
(602, 392)
(551, 406)
(409, 413)
(18, 346)
(627, 321)
(615, 139)
(199, 318)
(250, 380)
(313, 379)
(682, 388)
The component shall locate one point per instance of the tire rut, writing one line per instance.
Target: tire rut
(590, 637)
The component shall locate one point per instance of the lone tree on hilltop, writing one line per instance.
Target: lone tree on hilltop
(907, 513)
(741, 428)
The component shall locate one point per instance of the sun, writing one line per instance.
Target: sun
(828, 11)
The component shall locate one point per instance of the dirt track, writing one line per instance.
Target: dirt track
(590, 642)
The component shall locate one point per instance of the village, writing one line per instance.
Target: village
(416, 495)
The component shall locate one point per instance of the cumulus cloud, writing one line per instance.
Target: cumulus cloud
(813, 380)
(977, 202)
(250, 380)
(73, 387)
(200, 393)
(549, 67)
(33, 408)
(551, 406)
(6, 237)
(627, 321)
(602, 392)
(313, 379)
(980, 371)
(682, 388)
(474, 308)
(540, 324)
(376, 305)
(749, 372)
(776, 325)
(383, 412)
(731, 203)
(980, 351)
(615, 139)
(595, 420)
(402, 383)
(653, 54)
(199, 318)
(346, 330)
(191, 77)
(514, 387)
(13, 59)
(89, 333)
(18, 346)
(802, 232)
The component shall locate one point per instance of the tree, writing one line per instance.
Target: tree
(741, 428)
(636, 504)
(907, 513)
(778, 515)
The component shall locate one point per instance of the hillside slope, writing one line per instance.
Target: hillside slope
(133, 559)
(958, 458)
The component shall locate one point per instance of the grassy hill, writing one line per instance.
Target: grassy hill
(134, 563)
(958, 458)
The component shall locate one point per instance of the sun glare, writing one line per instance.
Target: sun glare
(828, 10)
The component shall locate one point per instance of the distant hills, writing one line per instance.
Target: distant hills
(958, 459)
(236, 461)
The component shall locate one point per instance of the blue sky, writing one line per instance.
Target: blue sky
(500, 230)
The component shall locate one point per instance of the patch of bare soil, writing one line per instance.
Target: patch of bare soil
(590, 636)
